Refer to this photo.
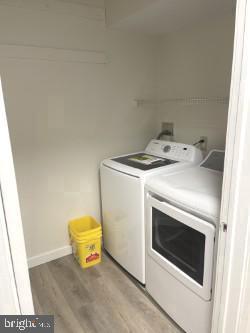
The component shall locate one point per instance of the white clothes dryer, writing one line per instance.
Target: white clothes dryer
(182, 214)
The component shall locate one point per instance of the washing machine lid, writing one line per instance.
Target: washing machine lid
(196, 190)
(143, 161)
(159, 155)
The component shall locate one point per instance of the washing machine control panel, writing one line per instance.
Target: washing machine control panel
(174, 151)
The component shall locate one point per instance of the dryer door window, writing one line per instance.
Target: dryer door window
(180, 244)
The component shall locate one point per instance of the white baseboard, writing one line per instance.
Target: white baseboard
(49, 256)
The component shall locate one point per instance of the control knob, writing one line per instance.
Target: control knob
(166, 148)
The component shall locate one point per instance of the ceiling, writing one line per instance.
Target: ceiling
(157, 17)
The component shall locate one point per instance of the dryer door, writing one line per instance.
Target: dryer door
(182, 244)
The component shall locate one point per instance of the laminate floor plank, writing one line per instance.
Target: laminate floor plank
(100, 299)
(132, 300)
(52, 301)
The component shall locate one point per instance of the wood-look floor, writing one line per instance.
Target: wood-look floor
(101, 299)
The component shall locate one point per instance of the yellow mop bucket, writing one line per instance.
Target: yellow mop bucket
(85, 234)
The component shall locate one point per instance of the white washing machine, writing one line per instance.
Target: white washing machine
(182, 216)
(122, 195)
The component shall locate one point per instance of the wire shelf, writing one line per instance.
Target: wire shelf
(184, 100)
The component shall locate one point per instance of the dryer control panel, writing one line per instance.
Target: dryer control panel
(174, 151)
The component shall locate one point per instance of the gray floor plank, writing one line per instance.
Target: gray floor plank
(99, 299)
(50, 300)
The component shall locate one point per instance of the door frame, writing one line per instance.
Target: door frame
(232, 287)
(12, 222)
(8, 290)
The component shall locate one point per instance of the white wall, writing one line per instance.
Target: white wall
(117, 10)
(197, 62)
(66, 116)
(66, 113)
